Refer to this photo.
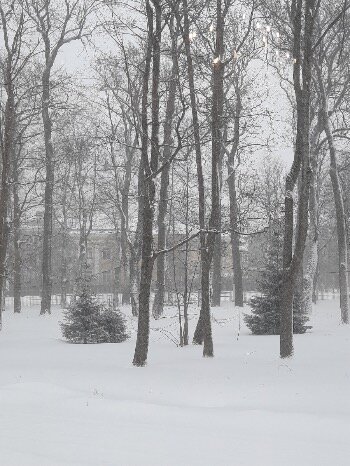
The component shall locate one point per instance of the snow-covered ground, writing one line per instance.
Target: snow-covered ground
(70, 405)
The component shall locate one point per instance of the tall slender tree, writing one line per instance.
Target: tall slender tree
(13, 25)
(149, 167)
(158, 304)
(57, 26)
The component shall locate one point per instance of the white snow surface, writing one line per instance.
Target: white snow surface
(86, 405)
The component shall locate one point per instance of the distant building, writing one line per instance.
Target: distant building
(103, 257)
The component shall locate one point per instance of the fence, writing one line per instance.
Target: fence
(34, 301)
(170, 298)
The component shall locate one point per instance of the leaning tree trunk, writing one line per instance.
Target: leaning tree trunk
(149, 168)
(48, 198)
(339, 207)
(158, 305)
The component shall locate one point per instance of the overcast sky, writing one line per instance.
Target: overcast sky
(78, 59)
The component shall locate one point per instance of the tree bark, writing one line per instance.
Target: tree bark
(158, 305)
(339, 206)
(234, 209)
(11, 59)
(135, 248)
(214, 221)
(293, 261)
(83, 236)
(186, 295)
(149, 168)
(124, 231)
(48, 197)
(64, 260)
(216, 277)
(234, 235)
(203, 330)
(7, 154)
(311, 270)
(17, 262)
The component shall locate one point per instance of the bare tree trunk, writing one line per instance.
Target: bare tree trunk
(82, 261)
(315, 285)
(339, 206)
(236, 255)
(48, 197)
(134, 285)
(124, 231)
(292, 262)
(123, 206)
(158, 305)
(287, 289)
(217, 258)
(17, 263)
(64, 266)
(310, 275)
(8, 141)
(64, 250)
(234, 210)
(117, 276)
(203, 330)
(216, 275)
(214, 221)
(7, 154)
(186, 290)
(124, 272)
(135, 248)
(149, 168)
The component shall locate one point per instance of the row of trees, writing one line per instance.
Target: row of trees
(162, 138)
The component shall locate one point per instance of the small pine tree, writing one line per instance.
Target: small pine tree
(87, 321)
(112, 326)
(265, 316)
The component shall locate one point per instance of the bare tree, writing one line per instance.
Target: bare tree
(203, 330)
(164, 182)
(57, 28)
(303, 55)
(149, 167)
(339, 203)
(15, 59)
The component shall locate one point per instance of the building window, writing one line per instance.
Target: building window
(106, 277)
(106, 254)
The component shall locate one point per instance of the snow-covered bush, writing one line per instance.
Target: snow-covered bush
(87, 321)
